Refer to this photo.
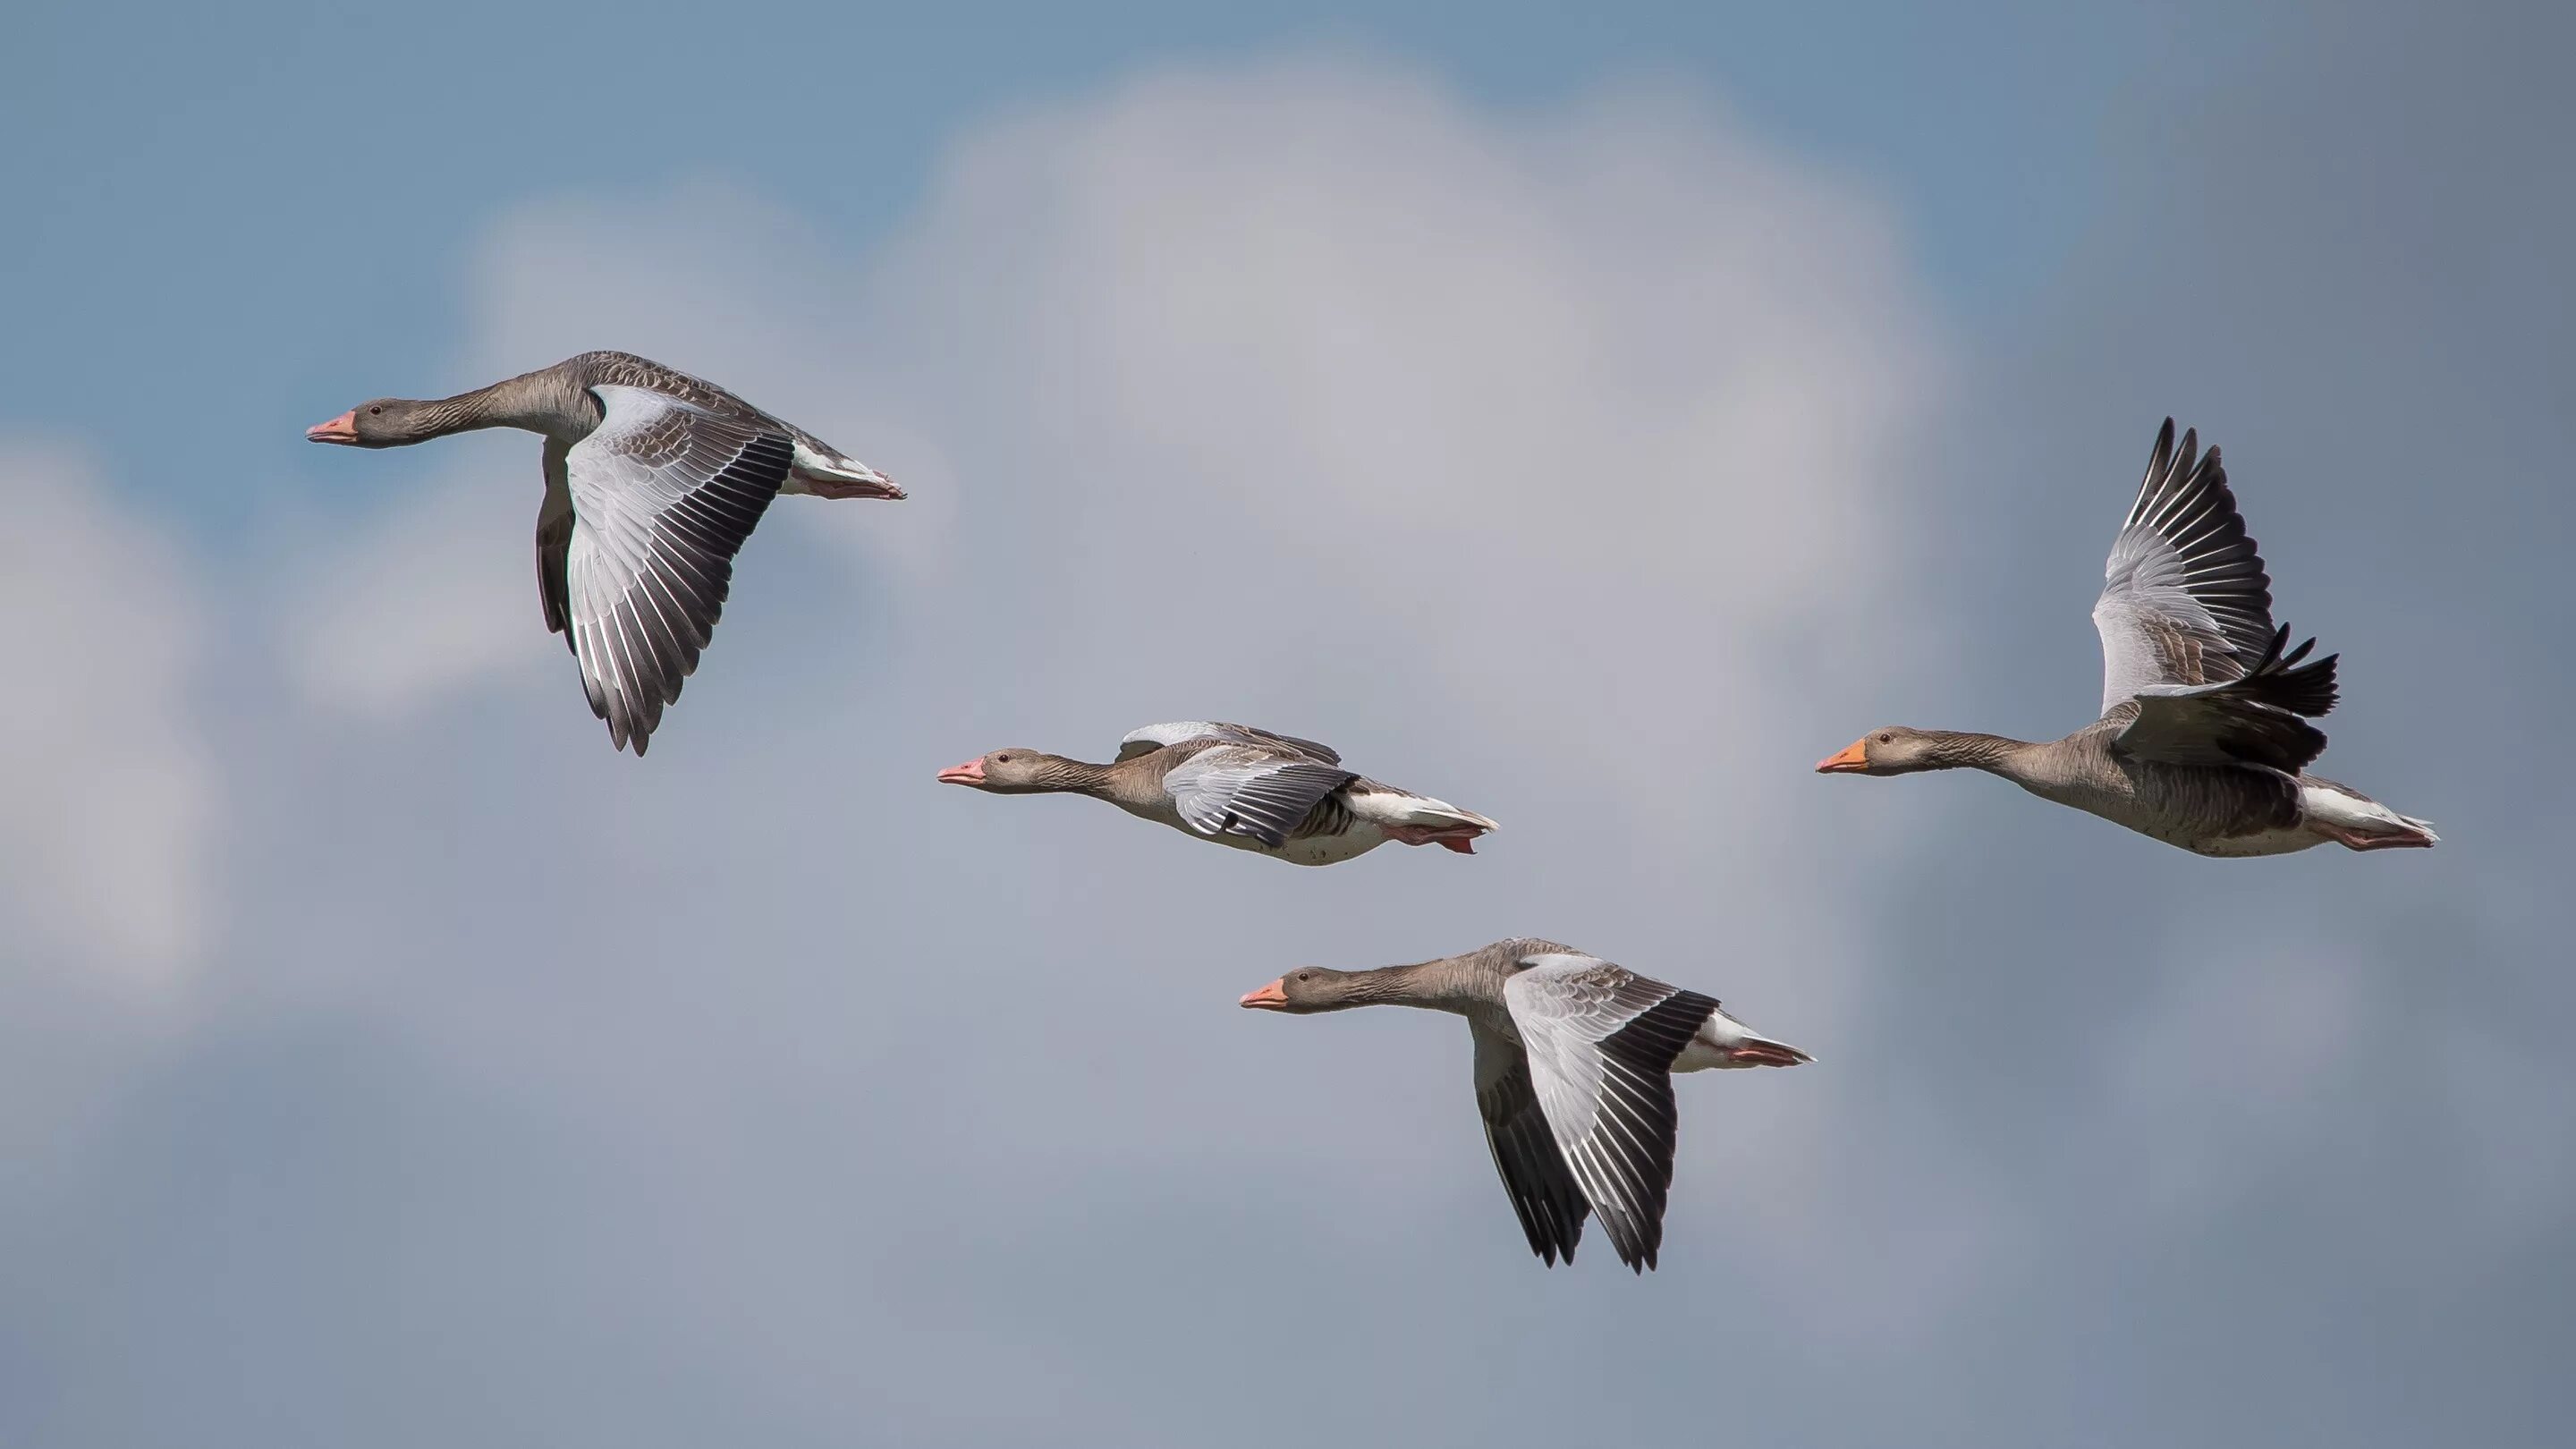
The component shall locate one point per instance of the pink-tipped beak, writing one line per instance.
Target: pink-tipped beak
(969, 773)
(342, 429)
(1268, 997)
(1755, 1052)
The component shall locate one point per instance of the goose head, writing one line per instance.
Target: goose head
(387, 422)
(1892, 750)
(1306, 990)
(1014, 772)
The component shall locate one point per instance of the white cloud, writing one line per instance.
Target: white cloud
(1565, 465)
(433, 598)
(106, 790)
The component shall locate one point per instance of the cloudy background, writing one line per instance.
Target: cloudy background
(1591, 422)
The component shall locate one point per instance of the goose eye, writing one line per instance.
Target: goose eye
(375, 412)
(1887, 739)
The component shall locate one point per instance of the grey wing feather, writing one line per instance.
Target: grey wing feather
(663, 495)
(1158, 736)
(1242, 790)
(1544, 1194)
(2184, 598)
(2249, 720)
(1601, 1042)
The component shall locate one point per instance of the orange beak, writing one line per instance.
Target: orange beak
(969, 773)
(342, 429)
(1851, 761)
(1268, 998)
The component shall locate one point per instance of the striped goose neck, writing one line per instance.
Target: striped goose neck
(538, 402)
(1967, 750)
(1452, 983)
(1057, 775)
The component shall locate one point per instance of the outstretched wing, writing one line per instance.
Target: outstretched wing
(554, 543)
(663, 494)
(1250, 790)
(1601, 1042)
(2249, 720)
(1157, 736)
(1544, 1194)
(2184, 599)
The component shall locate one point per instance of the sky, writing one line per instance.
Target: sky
(1588, 417)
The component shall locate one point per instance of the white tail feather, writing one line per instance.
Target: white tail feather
(832, 475)
(1389, 808)
(2353, 812)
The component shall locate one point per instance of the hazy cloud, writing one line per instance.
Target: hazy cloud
(1596, 468)
(104, 779)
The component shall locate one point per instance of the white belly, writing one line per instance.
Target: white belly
(1699, 1054)
(1359, 840)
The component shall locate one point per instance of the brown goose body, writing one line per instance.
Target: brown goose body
(2204, 737)
(1250, 789)
(2214, 810)
(653, 479)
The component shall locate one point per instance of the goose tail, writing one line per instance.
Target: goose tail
(1421, 820)
(2354, 820)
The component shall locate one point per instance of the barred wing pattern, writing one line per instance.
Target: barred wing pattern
(2184, 598)
(1248, 790)
(663, 494)
(1600, 1041)
(2253, 719)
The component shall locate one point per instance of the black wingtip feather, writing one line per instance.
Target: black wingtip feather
(2280, 680)
(2184, 499)
(1649, 1044)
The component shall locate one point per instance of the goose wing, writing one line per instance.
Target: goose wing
(2185, 600)
(1158, 736)
(1601, 1042)
(1255, 790)
(554, 544)
(1544, 1194)
(663, 493)
(2252, 719)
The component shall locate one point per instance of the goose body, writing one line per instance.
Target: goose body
(1248, 788)
(1574, 1058)
(2204, 739)
(653, 479)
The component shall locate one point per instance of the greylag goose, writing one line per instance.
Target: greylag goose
(653, 480)
(1281, 796)
(2201, 742)
(1574, 1063)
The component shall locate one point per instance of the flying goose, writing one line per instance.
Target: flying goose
(653, 480)
(1574, 1063)
(2201, 742)
(1275, 794)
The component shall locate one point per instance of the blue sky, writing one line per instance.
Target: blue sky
(1598, 415)
(294, 185)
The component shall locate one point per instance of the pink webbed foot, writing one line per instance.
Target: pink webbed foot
(1455, 837)
(2357, 840)
(822, 487)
